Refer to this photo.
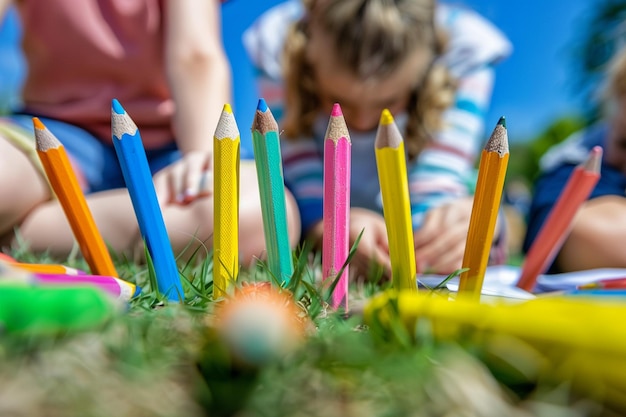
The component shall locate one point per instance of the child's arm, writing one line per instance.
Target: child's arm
(4, 7)
(199, 79)
(442, 180)
(597, 236)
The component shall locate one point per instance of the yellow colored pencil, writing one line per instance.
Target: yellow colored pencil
(394, 186)
(59, 171)
(491, 173)
(226, 146)
(579, 339)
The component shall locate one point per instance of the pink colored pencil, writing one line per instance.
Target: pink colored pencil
(556, 226)
(118, 288)
(335, 245)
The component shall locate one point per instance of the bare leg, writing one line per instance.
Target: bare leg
(189, 226)
(21, 185)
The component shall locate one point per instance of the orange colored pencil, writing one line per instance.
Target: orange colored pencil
(46, 268)
(556, 226)
(59, 171)
(494, 161)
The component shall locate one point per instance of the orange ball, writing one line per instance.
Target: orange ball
(260, 323)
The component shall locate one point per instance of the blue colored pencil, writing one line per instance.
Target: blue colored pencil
(134, 164)
(269, 170)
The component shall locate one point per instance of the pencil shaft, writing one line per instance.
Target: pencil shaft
(61, 176)
(120, 289)
(336, 212)
(138, 178)
(394, 187)
(272, 188)
(491, 174)
(47, 268)
(226, 188)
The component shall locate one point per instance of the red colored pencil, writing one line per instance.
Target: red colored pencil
(556, 227)
(609, 283)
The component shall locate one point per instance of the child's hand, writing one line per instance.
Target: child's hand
(186, 179)
(440, 242)
(373, 248)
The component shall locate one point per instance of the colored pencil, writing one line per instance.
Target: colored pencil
(43, 268)
(47, 268)
(59, 171)
(494, 160)
(269, 170)
(556, 227)
(134, 164)
(336, 211)
(226, 143)
(561, 336)
(607, 284)
(598, 292)
(394, 186)
(114, 286)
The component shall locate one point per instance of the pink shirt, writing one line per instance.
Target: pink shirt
(83, 53)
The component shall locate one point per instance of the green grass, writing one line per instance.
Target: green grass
(165, 359)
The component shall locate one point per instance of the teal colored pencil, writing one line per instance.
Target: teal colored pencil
(269, 170)
(134, 164)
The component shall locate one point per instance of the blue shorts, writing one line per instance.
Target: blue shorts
(95, 162)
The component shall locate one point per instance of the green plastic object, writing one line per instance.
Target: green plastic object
(53, 310)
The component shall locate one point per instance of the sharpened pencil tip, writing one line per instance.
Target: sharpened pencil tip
(117, 107)
(386, 118)
(262, 106)
(336, 110)
(227, 108)
(37, 124)
(502, 122)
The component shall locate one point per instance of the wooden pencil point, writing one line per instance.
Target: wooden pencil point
(337, 127)
(594, 161)
(121, 122)
(502, 122)
(227, 125)
(388, 134)
(264, 120)
(44, 139)
(498, 141)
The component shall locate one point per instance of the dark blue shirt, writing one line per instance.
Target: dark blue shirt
(557, 166)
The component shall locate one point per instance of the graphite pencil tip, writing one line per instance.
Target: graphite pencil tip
(386, 118)
(336, 111)
(117, 107)
(37, 124)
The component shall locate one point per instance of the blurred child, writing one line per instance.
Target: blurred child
(598, 229)
(431, 65)
(164, 61)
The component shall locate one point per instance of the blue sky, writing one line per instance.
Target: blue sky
(531, 86)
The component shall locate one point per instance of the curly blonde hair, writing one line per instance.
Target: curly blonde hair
(372, 38)
(615, 86)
